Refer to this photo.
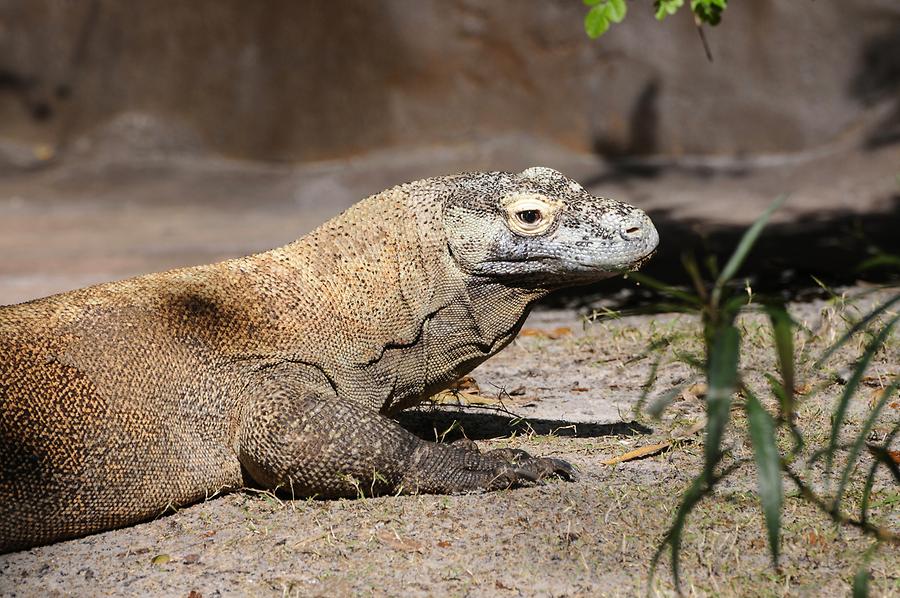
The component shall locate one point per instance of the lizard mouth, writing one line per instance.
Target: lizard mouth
(627, 267)
(520, 259)
(639, 264)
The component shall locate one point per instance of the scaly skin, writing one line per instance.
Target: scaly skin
(280, 369)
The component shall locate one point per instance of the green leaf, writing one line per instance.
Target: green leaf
(708, 11)
(722, 373)
(595, 22)
(837, 418)
(616, 10)
(768, 465)
(591, 2)
(861, 584)
(783, 332)
(746, 243)
(665, 8)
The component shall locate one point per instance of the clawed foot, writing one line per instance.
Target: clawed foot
(508, 467)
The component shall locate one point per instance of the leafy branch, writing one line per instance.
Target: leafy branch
(603, 13)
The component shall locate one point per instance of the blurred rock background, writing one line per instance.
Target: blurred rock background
(154, 134)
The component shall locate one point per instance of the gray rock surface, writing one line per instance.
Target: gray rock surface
(311, 80)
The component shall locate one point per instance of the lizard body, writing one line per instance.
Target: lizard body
(280, 369)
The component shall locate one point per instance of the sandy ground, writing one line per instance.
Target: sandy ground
(571, 384)
(593, 536)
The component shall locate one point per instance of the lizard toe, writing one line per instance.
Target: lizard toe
(530, 470)
(541, 467)
(550, 466)
(508, 476)
(472, 470)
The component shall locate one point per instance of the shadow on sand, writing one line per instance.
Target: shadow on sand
(450, 425)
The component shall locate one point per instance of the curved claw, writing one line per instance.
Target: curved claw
(563, 469)
(527, 474)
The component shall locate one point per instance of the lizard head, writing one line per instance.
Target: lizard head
(539, 228)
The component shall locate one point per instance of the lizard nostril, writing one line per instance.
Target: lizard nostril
(632, 232)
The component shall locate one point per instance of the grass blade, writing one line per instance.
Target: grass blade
(657, 407)
(850, 389)
(692, 496)
(879, 459)
(690, 266)
(861, 584)
(856, 328)
(882, 260)
(867, 492)
(777, 388)
(664, 288)
(712, 265)
(690, 359)
(783, 331)
(700, 487)
(886, 395)
(768, 465)
(649, 382)
(732, 307)
(881, 454)
(722, 374)
(746, 243)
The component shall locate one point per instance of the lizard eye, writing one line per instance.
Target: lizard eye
(529, 217)
(530, 214)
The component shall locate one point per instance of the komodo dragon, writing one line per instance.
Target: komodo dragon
(120, 401)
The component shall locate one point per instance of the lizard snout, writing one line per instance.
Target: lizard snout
(638, 229)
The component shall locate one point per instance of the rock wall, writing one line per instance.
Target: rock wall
(308, 80)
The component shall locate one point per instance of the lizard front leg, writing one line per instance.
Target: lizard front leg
(310, 443)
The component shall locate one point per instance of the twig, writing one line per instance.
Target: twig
(702, 35)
